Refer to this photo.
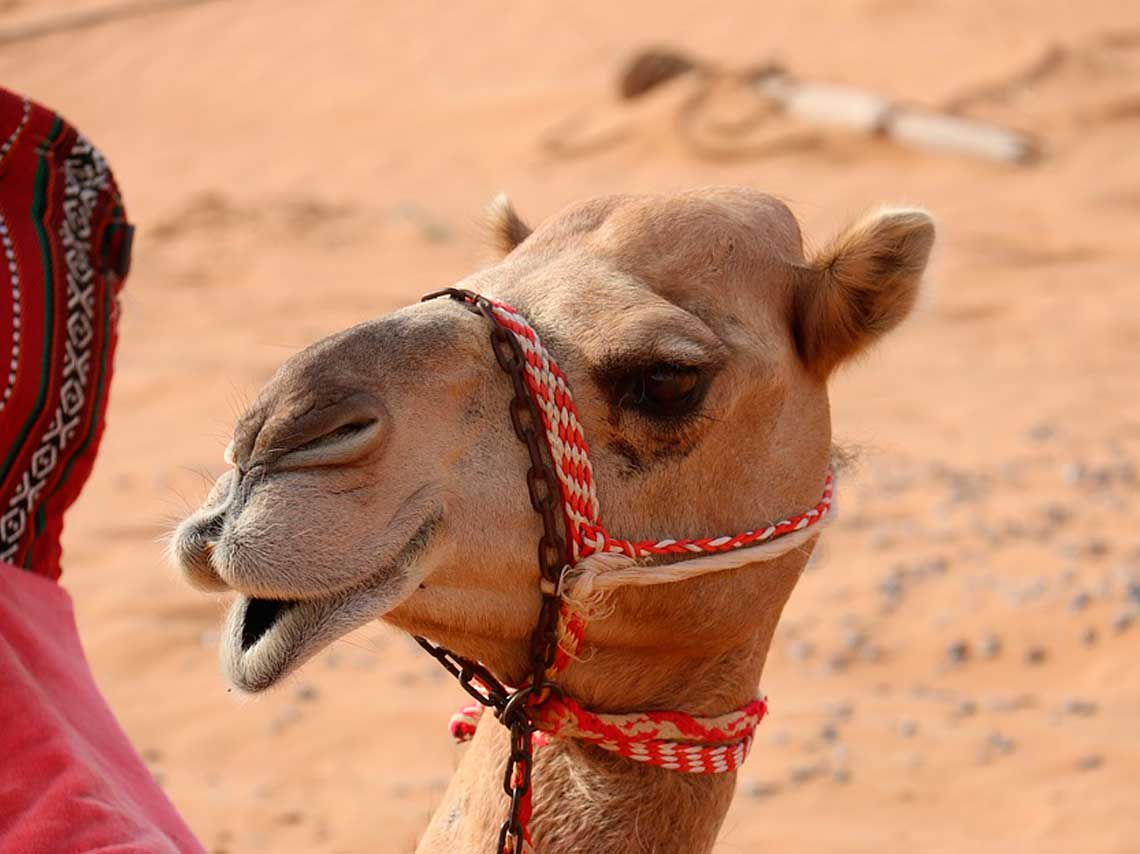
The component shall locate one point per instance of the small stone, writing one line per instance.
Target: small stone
(1090, 636)
(991, 645)
(996, 744)
(1041, 431)
(1090, 762)
(801, 650)
(307, 693)
(1097, 547)
(829, 733)
(854, 638)
(435, 232)
(906, 728)
(841, 775)
(1074, 473)
(1133, 592)
(804, 773)
(893, 586)
(761, 789)
(1123, 620)
(1056, 515)
(1080, 601)
(966, 709)
(957, 652)
(882, 540)
(1036, 655)
(872, 653)
(838, 662)
(842, 711)
(1079, 707)
(289, 817)
(287, 716)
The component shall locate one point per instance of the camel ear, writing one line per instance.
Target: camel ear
(507, 230)
(862, 286)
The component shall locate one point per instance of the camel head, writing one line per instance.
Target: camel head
(377, 474)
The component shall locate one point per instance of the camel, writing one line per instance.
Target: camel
(377, 476)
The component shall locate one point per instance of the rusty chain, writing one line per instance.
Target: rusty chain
(511, 707)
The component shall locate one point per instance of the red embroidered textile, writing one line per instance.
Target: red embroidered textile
(64, 248)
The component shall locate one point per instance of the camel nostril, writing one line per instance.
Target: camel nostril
(340, 433)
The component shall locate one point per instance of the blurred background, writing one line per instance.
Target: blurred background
(957, 670)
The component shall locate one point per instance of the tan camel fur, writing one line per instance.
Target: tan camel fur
(377, 475)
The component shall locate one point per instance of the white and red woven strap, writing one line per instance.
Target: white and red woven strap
(673, 740)
(564, 435)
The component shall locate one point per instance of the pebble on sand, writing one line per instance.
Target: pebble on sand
(1090, 762)
(1079, 707)
(966, 709)
(1123, 620)
(761, 789)
(991, 645)
(1080, 601)
(957, 652)
(996, 744)
(804, 773)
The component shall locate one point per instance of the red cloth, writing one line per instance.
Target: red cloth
(70, 781)
(64, 250)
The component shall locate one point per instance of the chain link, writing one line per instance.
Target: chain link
(511, 707)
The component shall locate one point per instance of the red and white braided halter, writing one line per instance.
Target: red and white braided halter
(598, 563)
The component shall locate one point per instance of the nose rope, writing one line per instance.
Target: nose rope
(598, 564)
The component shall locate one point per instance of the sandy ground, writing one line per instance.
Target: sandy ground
(957, 672)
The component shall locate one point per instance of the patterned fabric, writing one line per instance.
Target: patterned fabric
(66, 251)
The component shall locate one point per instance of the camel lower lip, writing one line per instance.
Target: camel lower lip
(264, 639)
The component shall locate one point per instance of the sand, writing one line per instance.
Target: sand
(956, 671)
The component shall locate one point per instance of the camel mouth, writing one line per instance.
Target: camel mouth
(260, 615)
(264, 639)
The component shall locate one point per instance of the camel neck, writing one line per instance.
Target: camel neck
(589, 800)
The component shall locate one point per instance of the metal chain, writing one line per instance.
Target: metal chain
(542, 485)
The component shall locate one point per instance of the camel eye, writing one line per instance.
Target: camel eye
(665, 390)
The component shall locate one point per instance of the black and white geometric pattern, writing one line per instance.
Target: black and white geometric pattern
(85, 174)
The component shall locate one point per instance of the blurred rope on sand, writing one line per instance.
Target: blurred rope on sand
(756, 95)
(723, 113)
(87, 18)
